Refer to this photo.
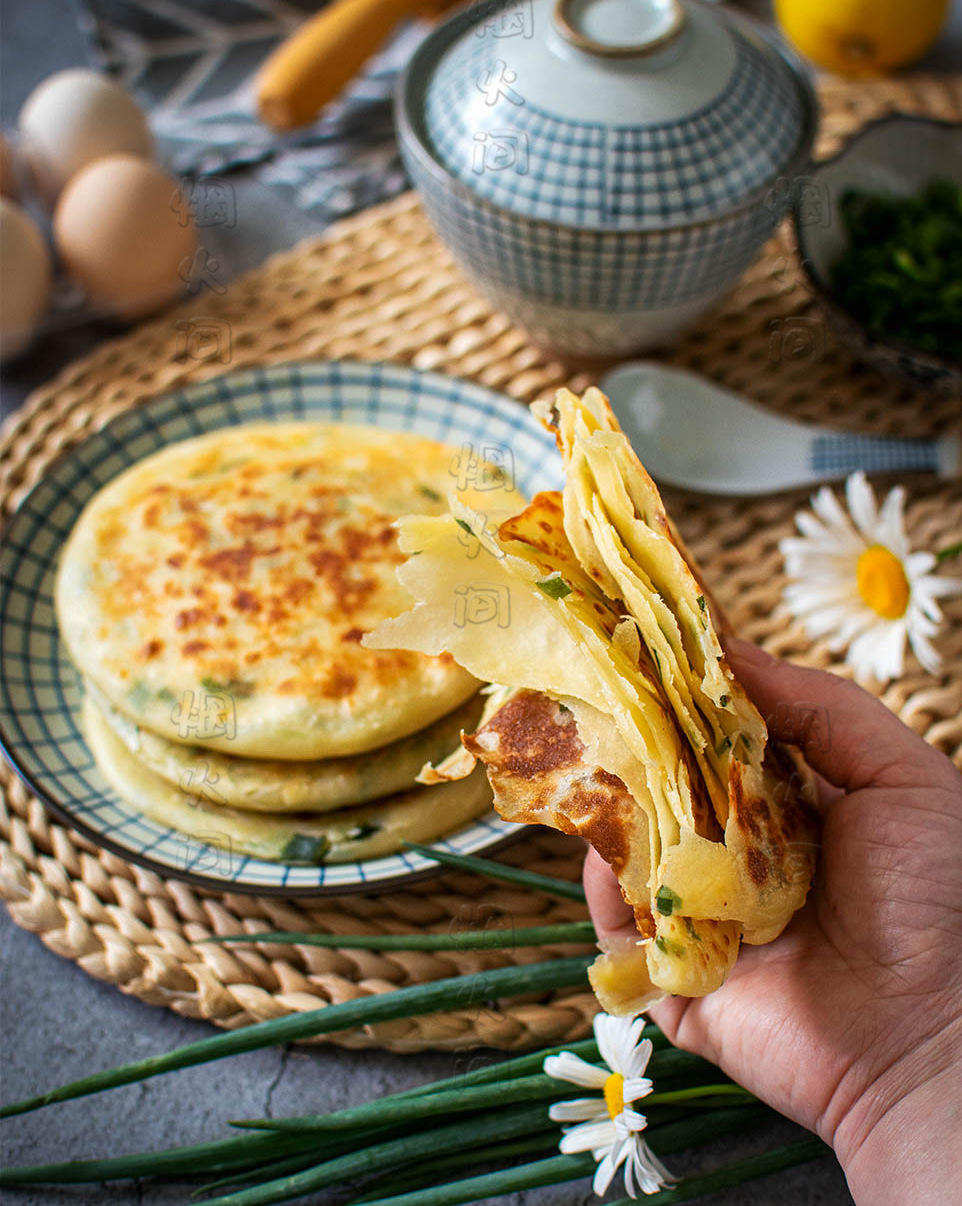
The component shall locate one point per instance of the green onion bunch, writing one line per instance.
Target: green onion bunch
(472, 1136)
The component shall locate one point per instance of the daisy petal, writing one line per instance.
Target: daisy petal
(891, 523)
(575, 1070)
(879, 652)
(861, 503)
(944, 586)
(917, 564)
(636, 1087)
(617, 1038)
(630, 1120)
(605, 1172)
(929, 659)
(645, 1169)
(841, 530)
(582, 1109)
(588, 1136)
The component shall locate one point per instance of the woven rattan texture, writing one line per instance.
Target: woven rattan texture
(380, 286)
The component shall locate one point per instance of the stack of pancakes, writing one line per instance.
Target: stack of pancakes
(215, 596)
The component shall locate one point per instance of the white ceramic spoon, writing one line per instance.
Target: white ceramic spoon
(691, 433)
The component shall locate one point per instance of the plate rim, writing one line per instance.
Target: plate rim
(62, 813)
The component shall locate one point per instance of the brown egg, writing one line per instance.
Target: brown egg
(124, 232)
(8, 174)
(24, 278)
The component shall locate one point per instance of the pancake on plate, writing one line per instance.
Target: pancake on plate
(618, 717)
(272, 785)
(346, 835)
(216, 592)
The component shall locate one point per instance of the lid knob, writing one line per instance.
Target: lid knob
(619, 28)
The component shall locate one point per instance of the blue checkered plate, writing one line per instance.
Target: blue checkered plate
(39, 689)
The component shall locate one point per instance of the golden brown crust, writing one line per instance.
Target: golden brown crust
(251, 563)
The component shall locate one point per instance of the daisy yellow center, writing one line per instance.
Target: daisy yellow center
(882, 582)
(614, 1092)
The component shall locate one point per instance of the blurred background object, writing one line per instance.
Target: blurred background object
(119, 231)
(856, 37)
(603, 174)
(74, 117)
(886, 263)
(26, 278)
(311, 67)
(196, 66)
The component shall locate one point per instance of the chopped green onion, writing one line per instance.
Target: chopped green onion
(233, 686)
(554, 586)
(305, 849)
(667, 901)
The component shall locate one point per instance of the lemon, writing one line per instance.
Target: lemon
(861, 37)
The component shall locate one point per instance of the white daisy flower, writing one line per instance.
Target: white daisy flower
(607, 1125)
(854, 577)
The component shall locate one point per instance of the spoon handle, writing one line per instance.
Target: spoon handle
(835, 455)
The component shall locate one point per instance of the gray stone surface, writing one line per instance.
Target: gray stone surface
(57, 1023)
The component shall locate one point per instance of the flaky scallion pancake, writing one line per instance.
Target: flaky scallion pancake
(372, 830)
(217, 592)
(272, 785)
(588, 601)
(543, 773)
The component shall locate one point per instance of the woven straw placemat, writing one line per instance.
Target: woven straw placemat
(380, 286)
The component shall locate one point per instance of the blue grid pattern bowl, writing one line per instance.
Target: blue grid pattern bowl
(604, 201)
(40, 693)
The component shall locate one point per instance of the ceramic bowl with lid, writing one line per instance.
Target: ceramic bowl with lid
(603, 170)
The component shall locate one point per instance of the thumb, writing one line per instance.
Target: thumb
(846, 734)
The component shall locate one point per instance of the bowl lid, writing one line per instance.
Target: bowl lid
(612, 114)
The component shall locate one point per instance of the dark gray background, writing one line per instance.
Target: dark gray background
(57, 1023)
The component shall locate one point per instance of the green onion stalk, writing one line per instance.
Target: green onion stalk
(414, 1148)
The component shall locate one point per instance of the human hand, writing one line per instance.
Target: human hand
(851, 1021)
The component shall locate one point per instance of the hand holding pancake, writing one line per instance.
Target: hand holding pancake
(619, 718)
(851, 1022)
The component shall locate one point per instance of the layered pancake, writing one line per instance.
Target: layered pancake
(618, 717)
(372, 830)
(217, 592)
(273, 785)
